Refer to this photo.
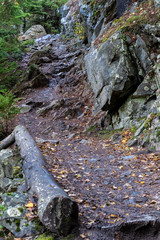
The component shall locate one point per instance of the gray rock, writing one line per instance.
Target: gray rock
(157, 3)
(111, 157)
(122, 6)
(111, 73)
(36, 31)
(133, 142)
(72, 135)
(128, 157)
(5, 154)
(34, 78)
(13, 216)
(143, 227)
(98, 27)
(116, 137)
(86, 15)
(84, 141)
(13, 199)
(40, 140)
(68, 20)
(7, 163)
(38, 56)
(45, 59)
(24, 108)
(126, 174)
(93, 160)
(6, 183)
(55, 104)
(140, 199)
(142, 54)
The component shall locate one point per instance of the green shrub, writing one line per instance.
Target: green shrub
(7, 110)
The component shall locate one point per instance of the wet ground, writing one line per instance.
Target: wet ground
(111, 182)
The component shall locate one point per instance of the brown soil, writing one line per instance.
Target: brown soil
(109, 187)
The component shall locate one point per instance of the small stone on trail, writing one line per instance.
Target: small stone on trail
(128, 157)
(72, 135)
(141, 199)
(54, 134)
(93, 160)
(133, 142)
(116, 138)
(111, 157)
(40, 140)
(24, 108)
(84, 141)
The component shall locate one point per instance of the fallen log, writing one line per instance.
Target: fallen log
(7, 141)
(55, 209)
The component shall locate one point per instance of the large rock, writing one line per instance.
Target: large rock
(35, 77)
(7, 164)
(69, 13)
(37, 57)
(86, 15)
(142, 55)
(36, 31)
(13, 215)
(148, 131)
(112, 73)
(10, 174)
(137, 106)
(122, 6)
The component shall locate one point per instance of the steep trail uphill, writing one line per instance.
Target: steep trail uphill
(116, 187)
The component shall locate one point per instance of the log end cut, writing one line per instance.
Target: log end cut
(60, 215)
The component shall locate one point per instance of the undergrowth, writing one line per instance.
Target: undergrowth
(132, 23)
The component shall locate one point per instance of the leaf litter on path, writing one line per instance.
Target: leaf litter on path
(109, 181)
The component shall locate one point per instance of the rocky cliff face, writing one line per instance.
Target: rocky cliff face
(123, 63)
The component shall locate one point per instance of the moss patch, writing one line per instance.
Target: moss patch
(44, 237)
(158, 133)
(69, 237)
(106, 134)
(132, 23)
(91, 129)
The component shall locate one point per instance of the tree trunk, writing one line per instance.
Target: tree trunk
(7, 141)
(55, 209)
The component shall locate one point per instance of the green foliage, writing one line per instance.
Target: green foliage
(44, 237)
(2, 209)
(69, 237)
(7, 110)
(12, 15)
(158, 133)
(44, 12)
(92, 129)
(26, 44)
(133, 129)
(10, 53)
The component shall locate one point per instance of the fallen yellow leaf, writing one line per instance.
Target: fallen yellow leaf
(141, 183)
(29, 205)
(138, 205)
(113, 216)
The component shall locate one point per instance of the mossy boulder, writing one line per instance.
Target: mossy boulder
(36, 31)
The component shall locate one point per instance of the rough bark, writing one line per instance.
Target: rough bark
(55, 209)
(7, 141)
